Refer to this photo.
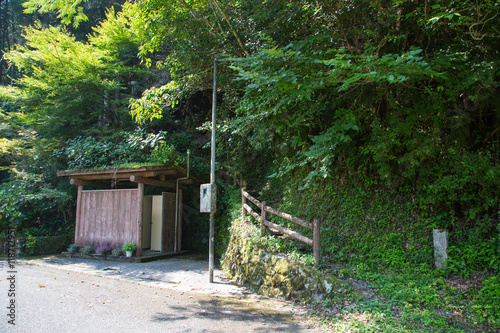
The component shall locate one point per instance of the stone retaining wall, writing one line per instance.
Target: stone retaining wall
(273, 274)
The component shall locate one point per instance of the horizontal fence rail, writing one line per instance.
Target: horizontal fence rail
(265, 224)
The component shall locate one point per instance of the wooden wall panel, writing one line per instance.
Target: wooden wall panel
(138, 225)
(179, 223)
(107, 217)
(168, 237)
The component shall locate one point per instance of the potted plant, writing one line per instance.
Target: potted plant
(117, 252)
(129, 248)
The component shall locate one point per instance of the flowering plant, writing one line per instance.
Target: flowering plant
(103, 249)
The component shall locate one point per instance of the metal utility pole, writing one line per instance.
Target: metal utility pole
(208, 192)
(212, 179)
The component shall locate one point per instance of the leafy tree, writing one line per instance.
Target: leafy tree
(67, 11)
(64, 87)
(69, 88)
(120, 36)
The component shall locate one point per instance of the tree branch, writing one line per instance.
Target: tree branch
(216, 6)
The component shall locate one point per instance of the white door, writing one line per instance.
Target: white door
(156, 226)
(146, 222)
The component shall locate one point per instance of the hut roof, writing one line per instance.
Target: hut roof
(157, 175)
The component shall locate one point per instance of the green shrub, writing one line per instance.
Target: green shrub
(73, 248)
(31, 245)
(88, 250)
(34, 206)
(164, 153)
(87, 152)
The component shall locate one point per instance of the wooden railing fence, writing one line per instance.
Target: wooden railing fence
(262, 218)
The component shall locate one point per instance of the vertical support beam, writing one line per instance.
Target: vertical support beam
(179, 223)
(78, 212)
(316, 241)
(263, 217)
(140, 197)
(243, 202)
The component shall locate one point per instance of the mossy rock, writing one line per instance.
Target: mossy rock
(273, 274)
(282, 267)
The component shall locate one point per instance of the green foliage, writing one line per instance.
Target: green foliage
(63, 81)
(36, 245)
(470, 182)
(320, 156)
(73, 248)
(153, 101)
(30, 245)
(116, 252)
(475, 252)
(89, 152)
(67, 12)
(487, 301)
(68, 88)
(119, 36)
(129, 246)
(34, 206)
(13, 141)
(87, 250)
(228, 209)
(127, 147)
(385, 238)
(270, 243)
(412, 302)
(9, 214)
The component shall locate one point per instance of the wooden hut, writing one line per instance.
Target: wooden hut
(119, 212)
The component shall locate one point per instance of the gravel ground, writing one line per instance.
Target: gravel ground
(56, 294)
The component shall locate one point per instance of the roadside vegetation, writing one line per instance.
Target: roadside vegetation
(379, 118)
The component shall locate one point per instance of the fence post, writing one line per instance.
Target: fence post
(263, 217)
(243, 202)
(316, 241)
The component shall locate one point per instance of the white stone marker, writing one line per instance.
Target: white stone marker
(440, 247)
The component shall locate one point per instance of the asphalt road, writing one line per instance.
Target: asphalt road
(50, 299)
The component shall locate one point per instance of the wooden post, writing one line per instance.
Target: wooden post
(140, 196)
(243, 202)
(316, 241)
(263, 217)
(78, 213)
